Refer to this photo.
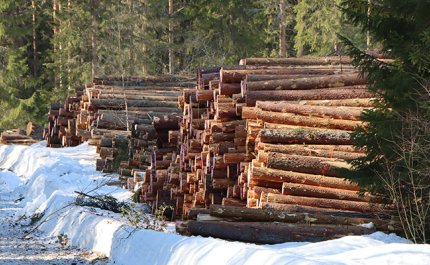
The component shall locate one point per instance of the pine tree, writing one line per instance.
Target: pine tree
(24, 81)
(397, 134)
(317, 25)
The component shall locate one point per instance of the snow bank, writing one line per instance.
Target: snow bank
(48, 178)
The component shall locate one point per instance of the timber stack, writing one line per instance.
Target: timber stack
(31, 135)
(274, 135)
(62, 130)
(128, 119)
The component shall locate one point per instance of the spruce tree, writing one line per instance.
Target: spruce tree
(317, 26)
(24, 80)
(397, 131)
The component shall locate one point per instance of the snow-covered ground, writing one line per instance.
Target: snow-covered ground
(36, 179)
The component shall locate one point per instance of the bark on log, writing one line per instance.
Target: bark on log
(304, 190)
(363, 207)
(251, 97)
(235, 76)
(333, 60)
(120, 103)
(257, 77)
(274, 233)
(306, 164)
(276, 175)
(306, 83)
(313, 150)
(308, 121)
(273, 215)
(305, 136)
(337, 112)
(350, 102)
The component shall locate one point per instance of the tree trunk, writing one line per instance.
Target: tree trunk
(363, 207)
(306, 164)
(251, 97)
(305, 136)
(305, 61)
(119, 103)
(272, 215)
(237, 75)
(308, 121)
(298, 189)
(345, 113)
(171, 53)
(350, 103)
(274, 233)
(94, 29)
(282, 33)
(313, 150)
(35, 63)
(306, 83)
(281, 176)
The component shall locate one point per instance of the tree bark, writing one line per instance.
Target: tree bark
(119, 103)
(332, 151)
(301, 61)
(251, 97)
(345, 113)
(274, 233)
(305, 136)
(363, 207)
(282, 32)
(272, 215)
(308, 121)
(281, 176)
(237, 75)
(171, 52)
(306, 164)
(306, 83)
(298, 189)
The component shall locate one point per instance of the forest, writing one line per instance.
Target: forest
(48, 47)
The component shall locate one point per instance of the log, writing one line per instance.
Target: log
(251, 97)
(282, 148)
(363, 207)
(337, 112)
(304, 190)
(305, 136)
(349, 102)
(229, 89)
(274, 233)
(311, 150)
(120, 103)
(258, 77)
(272, 215)
(234, 158)
(306, 83)
(309, 121)
(333, 60)
(276, 175)
(237, 75)
(306, 164)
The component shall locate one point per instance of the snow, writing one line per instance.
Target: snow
(47, 179)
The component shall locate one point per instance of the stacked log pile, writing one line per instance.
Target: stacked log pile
(62, 130)
(129, 120)
(31, 135)
(286, 136)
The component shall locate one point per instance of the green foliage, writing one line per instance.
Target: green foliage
(397, 134)
(104, 202)
(318, 23)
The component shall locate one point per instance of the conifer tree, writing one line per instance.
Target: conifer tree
(397, 134)
(24, 80)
